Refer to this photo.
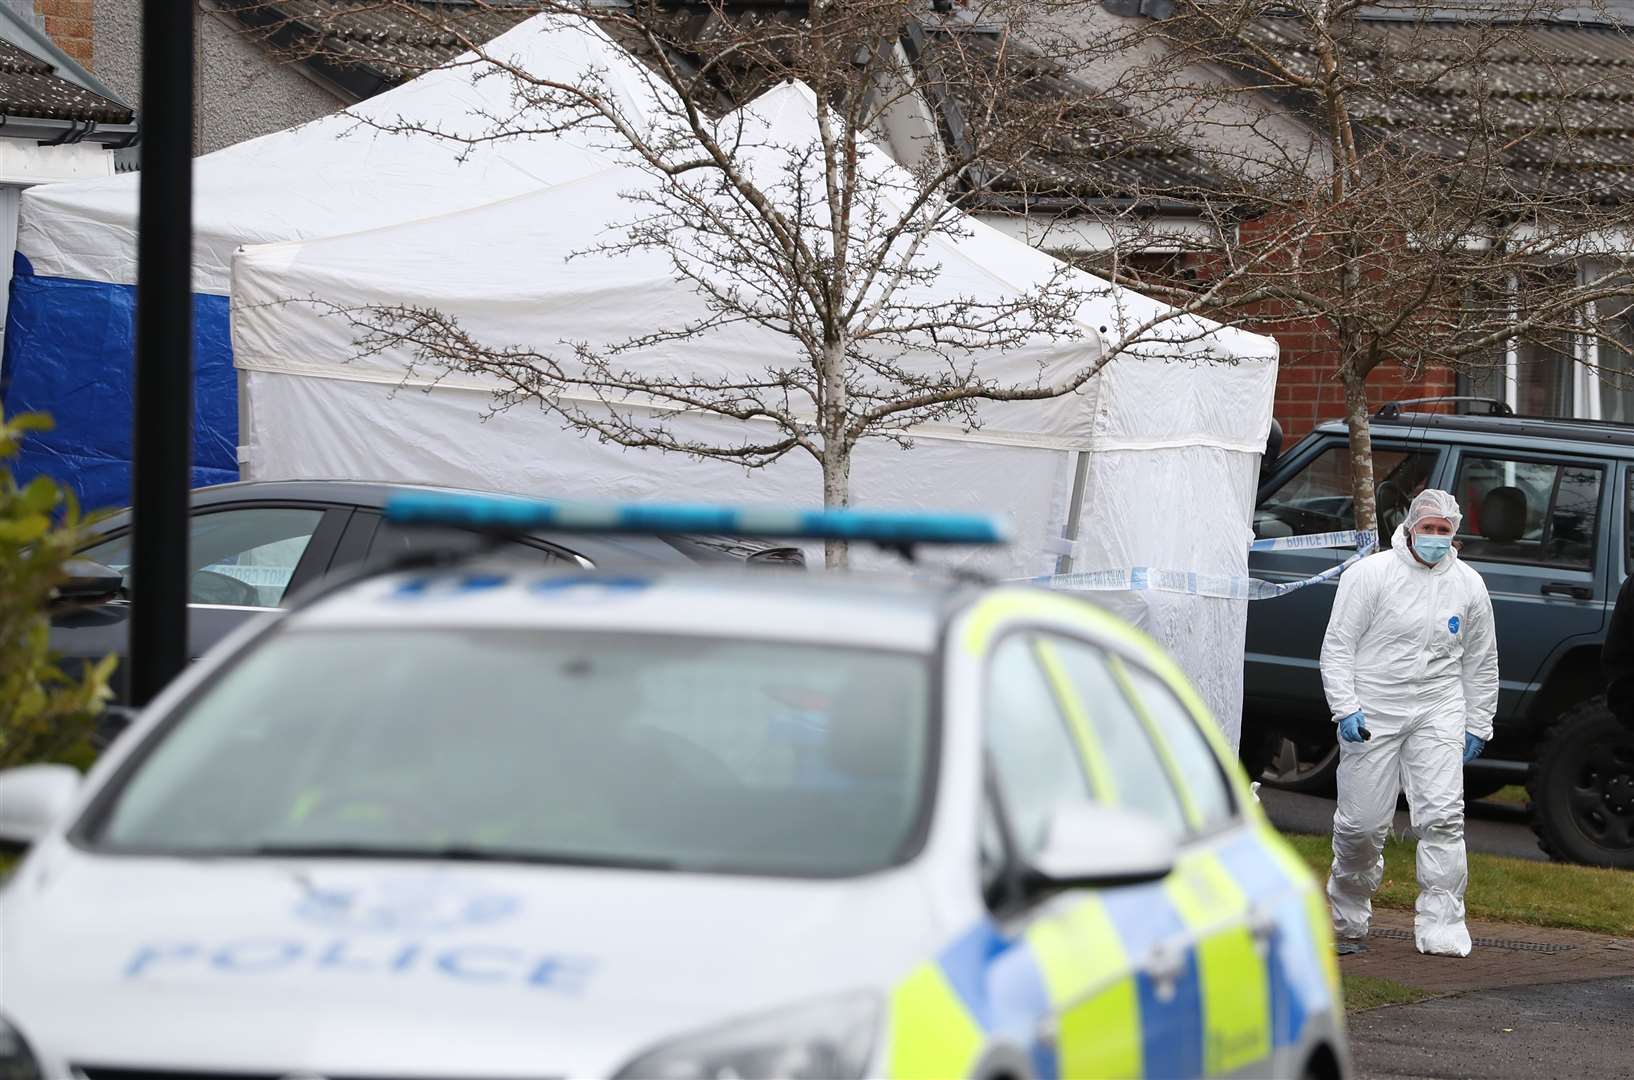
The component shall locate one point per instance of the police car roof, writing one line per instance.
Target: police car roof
(867, 610)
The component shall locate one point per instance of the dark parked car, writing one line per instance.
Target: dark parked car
(253, 544)
(1547, 522)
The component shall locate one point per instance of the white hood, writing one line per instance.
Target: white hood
(403, 969)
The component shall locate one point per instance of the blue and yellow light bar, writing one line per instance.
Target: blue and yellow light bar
(499, 513)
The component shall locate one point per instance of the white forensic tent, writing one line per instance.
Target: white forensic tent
(1171, 444)
(77, 242)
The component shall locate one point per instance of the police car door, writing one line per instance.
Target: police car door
(1209, 940)
(1118, 976)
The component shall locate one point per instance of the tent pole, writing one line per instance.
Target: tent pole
(163, 425)
(242, 450)
(1075, 509)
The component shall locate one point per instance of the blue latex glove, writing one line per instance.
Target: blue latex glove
(1353, 728)
(1473, 745)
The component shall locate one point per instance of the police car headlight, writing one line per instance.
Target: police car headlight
(829, 1039)
(17, 1061)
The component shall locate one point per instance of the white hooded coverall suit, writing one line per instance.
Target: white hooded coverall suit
(1411, 647)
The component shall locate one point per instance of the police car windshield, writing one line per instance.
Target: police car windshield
(646, 751)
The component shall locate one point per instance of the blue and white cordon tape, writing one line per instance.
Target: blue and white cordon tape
(1143, 578)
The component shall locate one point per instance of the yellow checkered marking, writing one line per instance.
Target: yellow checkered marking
(933, 1037)
(1316, 904)
(1236, 987)
(1087, 973)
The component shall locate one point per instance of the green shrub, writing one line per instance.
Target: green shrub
(46, 714)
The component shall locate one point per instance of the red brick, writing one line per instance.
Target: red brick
(70, 24)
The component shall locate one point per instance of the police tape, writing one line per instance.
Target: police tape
(1221, 586)
(1351, 538)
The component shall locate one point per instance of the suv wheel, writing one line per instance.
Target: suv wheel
(1297, 763)
(1582, 788)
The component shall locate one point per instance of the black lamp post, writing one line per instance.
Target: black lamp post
(163, 426)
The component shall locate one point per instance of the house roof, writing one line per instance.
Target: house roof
(1557, 96)
(30, 88)
(1100, 153)
(362, 46)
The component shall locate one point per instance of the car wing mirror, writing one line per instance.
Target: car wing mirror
(1087, 845)
(33, 798)
(87, 583)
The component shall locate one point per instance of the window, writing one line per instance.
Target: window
(1628, 519)
(1317, 498)
(1528, 511)
(1037, 763)
(691, 754)
(242, 558)
(1197, 768)
(1615, 315)
(1134, 770)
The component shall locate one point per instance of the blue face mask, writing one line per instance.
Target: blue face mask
(1432, 549)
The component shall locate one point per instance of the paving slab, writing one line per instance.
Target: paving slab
(1505, 955)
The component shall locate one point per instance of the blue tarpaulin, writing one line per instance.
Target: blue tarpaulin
(69, 352)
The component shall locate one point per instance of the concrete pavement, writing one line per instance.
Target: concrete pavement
(1577, 1029)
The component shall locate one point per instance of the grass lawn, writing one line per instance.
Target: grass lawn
(1368, 992)
(1514, 890)
(1513, 795)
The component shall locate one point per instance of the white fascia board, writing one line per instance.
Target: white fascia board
(1615, 243)
(26, 162)
(1159, 235)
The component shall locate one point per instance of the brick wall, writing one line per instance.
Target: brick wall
(1308, 395)
(69, 22)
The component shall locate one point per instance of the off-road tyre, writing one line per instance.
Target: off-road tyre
(1581, 784)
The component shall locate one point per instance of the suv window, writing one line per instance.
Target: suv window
(240, 558)
(1134, 777)
(1317, 498)
(1038, 766)
(1539, 512)
(1198, 770)
(1628, 518)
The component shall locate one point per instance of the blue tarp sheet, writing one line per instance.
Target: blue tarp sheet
(69, 352)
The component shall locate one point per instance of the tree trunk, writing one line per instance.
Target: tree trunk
(836, 494)
(1361, 449)
(836, 447)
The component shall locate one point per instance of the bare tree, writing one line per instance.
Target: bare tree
(1425, 183)
(823, 240)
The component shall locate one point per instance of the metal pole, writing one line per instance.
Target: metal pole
(1063, 564)
(163, 427)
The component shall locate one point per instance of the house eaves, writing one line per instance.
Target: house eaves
(47, 98)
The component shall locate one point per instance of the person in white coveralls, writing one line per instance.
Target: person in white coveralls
(1410, 668)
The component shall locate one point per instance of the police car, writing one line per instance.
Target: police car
(491, 820)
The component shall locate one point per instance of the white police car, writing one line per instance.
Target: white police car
(493, 821)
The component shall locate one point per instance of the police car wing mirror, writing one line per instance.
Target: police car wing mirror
(87, 583)
(33, 798)
(1091, 846)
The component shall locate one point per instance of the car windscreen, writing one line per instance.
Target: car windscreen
(664, 752)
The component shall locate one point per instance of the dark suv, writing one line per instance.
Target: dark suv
(1549, 523)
